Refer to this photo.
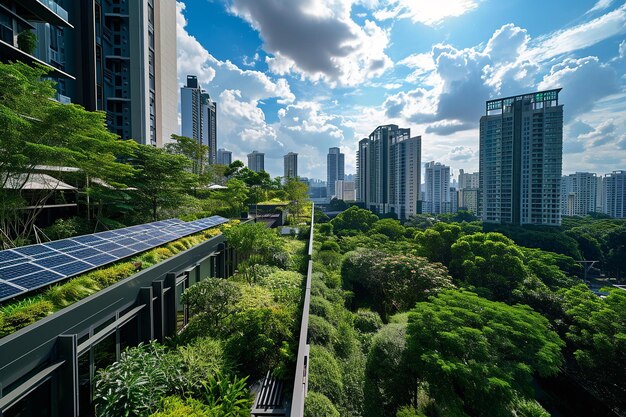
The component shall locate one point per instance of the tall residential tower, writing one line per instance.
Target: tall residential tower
(291, 165)
(389, 171)
(199, 116)
(335, 169)
(437, 198)
(256, 161)
(521, 151)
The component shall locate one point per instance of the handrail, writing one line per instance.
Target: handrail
(301, 378)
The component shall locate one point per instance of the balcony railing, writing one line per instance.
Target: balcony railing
(54, 6)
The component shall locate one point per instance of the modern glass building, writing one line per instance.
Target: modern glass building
(256, 161)
(291, 165)
(521, 152)
(389, 171)
(615, 194)
(199, 116)
(578, 194)
(224, 157)
(437, 198)
(335, 170)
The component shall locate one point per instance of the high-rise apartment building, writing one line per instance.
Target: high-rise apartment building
(615, 194)
(467, 180)
(578, 194)
(600, 194)
(335, 167)
(389, 171)
(199, 116)
(114, 56)
(437, 199)
(224, 157)
(345, 190)
(521, 148)
(467, 199)
(291, 165)
(256, 161)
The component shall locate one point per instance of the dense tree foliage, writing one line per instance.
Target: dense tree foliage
(597, 335)
(353, 220)
(478, 355)
(390, 282)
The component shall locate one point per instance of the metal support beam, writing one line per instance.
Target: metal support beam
(159, 310)
(146, 315)
(67, 347)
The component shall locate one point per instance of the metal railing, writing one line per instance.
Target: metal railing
(301, 378)
(54, 6)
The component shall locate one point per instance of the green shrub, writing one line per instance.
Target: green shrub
(64, 228)
(27, 41)
(134, 385)
(177, 407)
(529, 408)
(226, 397)
(330, 245)
(23, 314)
(202, 358)
(367, 321)
(76, 289)
(325, 374)
(323, 308)
(286, 286)
(255, 345)
(321, 332)
(318, 405)
(409, 412)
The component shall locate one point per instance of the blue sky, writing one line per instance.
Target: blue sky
(306, 75)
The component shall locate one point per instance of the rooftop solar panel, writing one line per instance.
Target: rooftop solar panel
(8, 291)
(11, 272)
(9, 255)
(38, 279)
(30, 267)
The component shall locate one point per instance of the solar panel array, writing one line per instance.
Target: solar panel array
(31, 267)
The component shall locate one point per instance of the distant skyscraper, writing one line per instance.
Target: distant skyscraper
(224, 157)
(467, 180)
(615, 194)
(437, 198)
(256, 161)
(600, 195)
(345, 190)
(521, 148)
(199, 116)
(467, 199)
(335, 165)
(578, 194)
(291, 165)
(389, 171)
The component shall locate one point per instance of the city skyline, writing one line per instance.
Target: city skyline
(278, 102)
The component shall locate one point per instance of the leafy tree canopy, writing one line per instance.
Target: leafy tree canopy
(479, 355)
(353, 220)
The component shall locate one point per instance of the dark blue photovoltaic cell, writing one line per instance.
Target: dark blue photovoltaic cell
(107, 247)
(13, 262)
(139, 247)
(72, 268)
(32, 250)
(88, 239)
(7, 291)
(100, 259)
(107, 235)
(62, 244)
(122, 253)
(57, 260)
(37, 279)
(126, 241)
(84, 253)
(18, 270)
(9, 255)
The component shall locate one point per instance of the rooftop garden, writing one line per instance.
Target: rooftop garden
(241, 328)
